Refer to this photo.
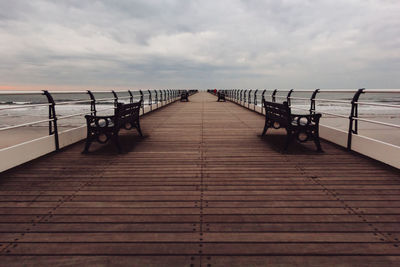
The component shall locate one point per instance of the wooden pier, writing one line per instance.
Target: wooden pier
(202, 188)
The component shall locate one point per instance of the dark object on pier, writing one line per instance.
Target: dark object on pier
(185, 96)
(303, 127)
(221, 96)
(104, 128)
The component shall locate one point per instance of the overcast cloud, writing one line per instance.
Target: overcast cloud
(200, 44)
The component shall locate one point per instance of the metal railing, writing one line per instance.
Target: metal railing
(239, 96)
(148, 97)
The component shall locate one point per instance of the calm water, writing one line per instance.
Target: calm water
(22, 115)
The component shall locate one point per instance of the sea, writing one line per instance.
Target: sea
(65, 106)
(20, 114)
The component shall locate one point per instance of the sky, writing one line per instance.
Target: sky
(143, 44)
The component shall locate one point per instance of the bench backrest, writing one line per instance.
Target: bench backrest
(278, 112)
(126, 112)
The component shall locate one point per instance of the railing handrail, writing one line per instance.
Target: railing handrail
(80, 114)
(25, 124)
(377, 104)
(25, 106)
(378, 122)
(317, 99)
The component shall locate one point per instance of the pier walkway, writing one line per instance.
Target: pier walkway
(202, 188)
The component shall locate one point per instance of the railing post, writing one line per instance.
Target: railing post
(156, 98)
(244, 97)
(273, 95)
(263, 99)
(131, 96)
(249, 99)
(312, 99)
(288, 97)
(53, 129)
(115, 98)
(150, 101)
(92, 103)
(142, 100)
(255, 99)
(165, 95)
(353, 124)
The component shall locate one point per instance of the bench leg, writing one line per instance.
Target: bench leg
(266, 126)
(289, 138)
(317, 143)
(265, 130)
(87, 146)
(138, 128)
(117, 144)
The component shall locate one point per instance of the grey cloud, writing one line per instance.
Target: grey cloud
(177, 43)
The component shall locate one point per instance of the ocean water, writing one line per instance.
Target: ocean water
(23, 114)
(339, 108)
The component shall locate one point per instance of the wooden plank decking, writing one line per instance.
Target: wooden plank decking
(201, 189)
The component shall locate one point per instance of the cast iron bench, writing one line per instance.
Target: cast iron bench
(104, 128)
(221, 96)
(303, 127)
(185, 96)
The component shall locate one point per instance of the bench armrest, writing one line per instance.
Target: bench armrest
(304, 119)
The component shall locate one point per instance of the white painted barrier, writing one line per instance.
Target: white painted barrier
(333, 135)
(27, 151)
(71, 136)
(384, 152)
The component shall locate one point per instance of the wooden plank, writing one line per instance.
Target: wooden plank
(201, 188)
(136, 261)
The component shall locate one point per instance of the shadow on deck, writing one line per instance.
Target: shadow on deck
(201, 189)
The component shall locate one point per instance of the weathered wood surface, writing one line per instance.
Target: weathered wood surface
(201, 189)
